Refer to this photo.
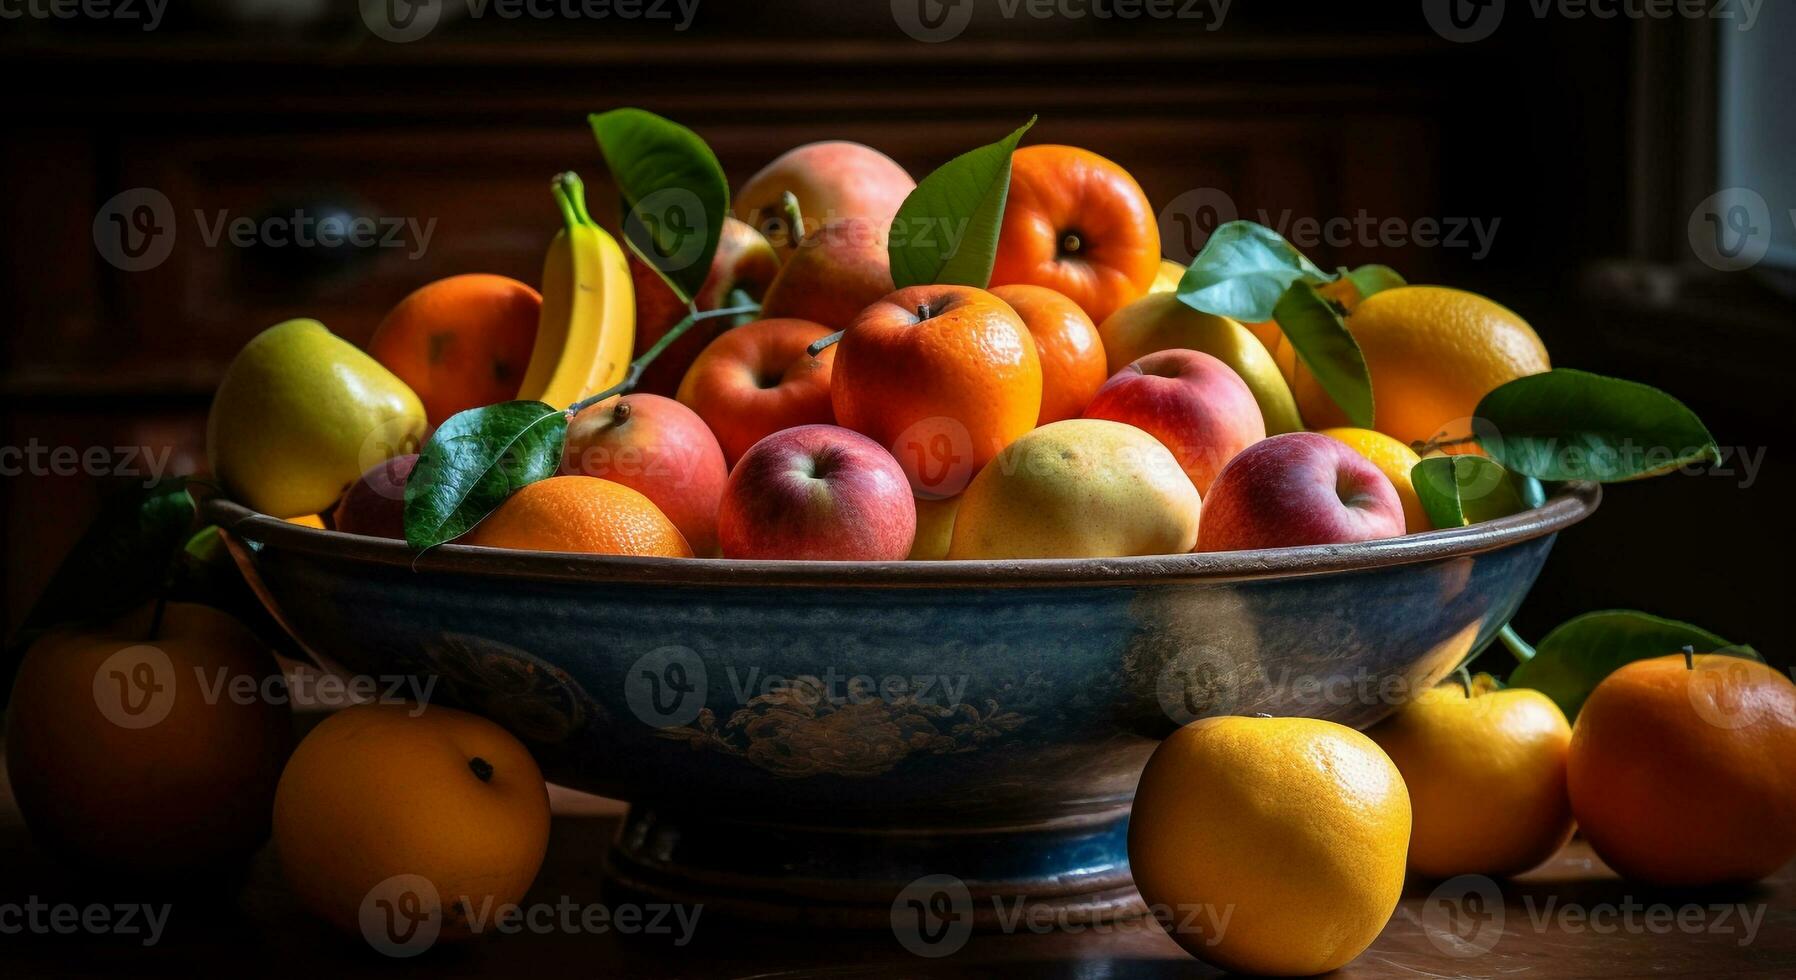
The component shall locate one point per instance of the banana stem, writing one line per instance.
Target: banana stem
(570, 195)
(1518, 646)
(634, 374)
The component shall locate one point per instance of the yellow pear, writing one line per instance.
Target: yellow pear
(1081, 488)
(1159, 321)
(300, 415)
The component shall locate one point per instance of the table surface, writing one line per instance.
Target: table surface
(1570, 918)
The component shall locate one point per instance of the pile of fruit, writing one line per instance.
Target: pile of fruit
(849, 365)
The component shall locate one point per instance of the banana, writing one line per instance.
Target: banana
(588, 324)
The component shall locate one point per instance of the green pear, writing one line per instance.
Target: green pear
(300, 415)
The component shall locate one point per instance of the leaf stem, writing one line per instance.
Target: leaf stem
(678, 330)
(1518, 646)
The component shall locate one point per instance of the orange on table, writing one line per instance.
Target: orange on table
(433, 810)
(1433, 353)
(460, 342)
(1396, 461)
(943, 376)
(580, 514)
(1078, 224)
(1685, 773)
(760, 378)
(1067, 342)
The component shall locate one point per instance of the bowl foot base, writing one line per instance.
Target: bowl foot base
(1037, 876)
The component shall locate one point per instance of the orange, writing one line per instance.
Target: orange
(1433, 353)
(1486, 777)
(460, 342)
(138, 755)
(1294, 828)
(1341, 291)
(1078, 224)
(404, 822)
(1072, 356)
(1685, 773)
(759, 378)
(943, 376)
(1396, 461)
(582, 514)
(308, 520)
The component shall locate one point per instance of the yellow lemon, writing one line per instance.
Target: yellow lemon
(1394, 460)
(1433, 352)
(1276, 844)
(1486, 777)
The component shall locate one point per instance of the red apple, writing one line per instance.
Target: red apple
(744, 261)
(817, 492)
(659, 448)
(1296, 489)
(1197, 406)
(835, 180)
(375, 504)
(839, 270)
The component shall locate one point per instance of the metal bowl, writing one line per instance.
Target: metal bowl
(801, 740)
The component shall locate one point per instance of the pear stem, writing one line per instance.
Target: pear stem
(794, 218)
(634, 374)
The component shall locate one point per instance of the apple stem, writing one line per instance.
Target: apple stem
(824, 343)
(794, 218)
(634, 374)
(483, 770)
(923, 312)
(1689, 657)
(621, 413)
(1523, 651)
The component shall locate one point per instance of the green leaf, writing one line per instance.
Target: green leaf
(1370, 279)
(946, 231)
(1574, 657)
(675, 194)
(1318, 334)
(476, 460)
(1243, 271)
(1461, 490)
(1573, 425)
(123, 558)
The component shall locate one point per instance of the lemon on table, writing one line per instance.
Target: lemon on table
(1433, 352)
(1395, 460)
(1286, 836)
(1486, 776)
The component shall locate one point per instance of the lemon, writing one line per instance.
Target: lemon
(1486, 777)
(1271, 845)
(1394, 460)
(1433, 352)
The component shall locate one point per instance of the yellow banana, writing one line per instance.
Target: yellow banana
(588, 324)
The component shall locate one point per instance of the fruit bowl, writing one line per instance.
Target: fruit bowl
(801, 740)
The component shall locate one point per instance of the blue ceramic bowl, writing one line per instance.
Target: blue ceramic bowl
(803, 739)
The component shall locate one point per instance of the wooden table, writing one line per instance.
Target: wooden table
(1571, 918)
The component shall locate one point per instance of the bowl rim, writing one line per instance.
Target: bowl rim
(1568, 504)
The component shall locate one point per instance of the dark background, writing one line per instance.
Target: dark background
(1590, 140)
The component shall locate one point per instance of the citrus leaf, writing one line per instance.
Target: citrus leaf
(675, 194)
(474, 462)
(946, 231)
(1572, 659)
(1574, 425)
(1319, 335)
(1460, 490)
(1243, 271)
(1370, 279)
